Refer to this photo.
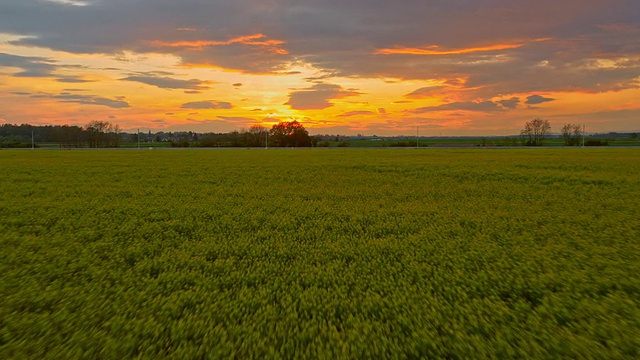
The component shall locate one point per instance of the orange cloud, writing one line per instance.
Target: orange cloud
(253, 40)
(435, 50)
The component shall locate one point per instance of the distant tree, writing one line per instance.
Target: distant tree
(117, 133)
(535, 132)
(571, 134)
(103, 134)
(98, 134)
(208, 141)
(289, 134)
(65, 135)
(257, 136)
(508, 141)
(181, 144)
(236, 139)
(596, 142)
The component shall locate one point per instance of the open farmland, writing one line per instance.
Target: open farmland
(320, 253)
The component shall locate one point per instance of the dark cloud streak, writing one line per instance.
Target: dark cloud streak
(164, 82)
(207, 104)
(317, 97)
(537, 99)
(29, 66)
(466, 106)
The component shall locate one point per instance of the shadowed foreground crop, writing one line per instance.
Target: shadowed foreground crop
(360, 253)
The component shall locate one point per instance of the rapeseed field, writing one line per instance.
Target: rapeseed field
(349, 253)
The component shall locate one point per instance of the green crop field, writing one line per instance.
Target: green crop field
(327, 253)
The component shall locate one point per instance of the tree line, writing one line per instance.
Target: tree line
(97, 134)
(283, 134)
(537, 131)
(103, 134)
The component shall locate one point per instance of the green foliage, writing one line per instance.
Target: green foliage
(320, 254)
(508, 141)
(596, 142)
(208, 142)
(15, 144)
(404, 143)
(181, 144)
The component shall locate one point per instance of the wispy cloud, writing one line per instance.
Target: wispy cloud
(318, 96)
(537, 99)
(236, 119)
(466, 106)
(165, 82)
(207, 104)
(424, 92)
(437, 50)
(68, 97)
(92, 100)
(510, 103)
(357, 113)
(30, 66)
(70, 2)
(73, 80)
(252, 40)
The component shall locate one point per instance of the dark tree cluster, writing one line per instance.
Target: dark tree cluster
(289, 134)
(21, 135)
(256, 136)
(96, 134)
(284, 134)
(102, 134)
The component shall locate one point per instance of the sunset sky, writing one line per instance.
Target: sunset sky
(451, 67)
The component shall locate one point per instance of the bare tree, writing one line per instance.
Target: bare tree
(535, 132)
(116, 135)
(257, 135)
(98, 133)
(571, 134)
